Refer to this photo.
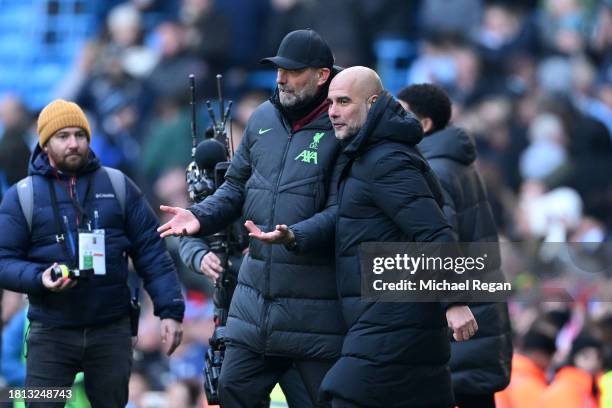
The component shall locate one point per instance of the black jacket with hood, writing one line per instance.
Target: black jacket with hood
(482, 364)
(394, 354)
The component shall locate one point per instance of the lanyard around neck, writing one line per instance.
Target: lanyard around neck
(59, 236)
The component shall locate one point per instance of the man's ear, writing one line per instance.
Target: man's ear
(323, 75)
(371, 100)
(427, 125)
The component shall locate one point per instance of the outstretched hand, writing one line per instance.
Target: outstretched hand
(182, 223)
(281, 234)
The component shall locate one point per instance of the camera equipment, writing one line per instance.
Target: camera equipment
(204, 175)
(209, 157)
(201, 173)
(62, 271)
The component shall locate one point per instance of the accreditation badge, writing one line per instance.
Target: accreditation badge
(92, 253)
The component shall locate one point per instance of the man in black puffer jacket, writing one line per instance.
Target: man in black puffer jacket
(285, 308)
(394, 354)
(480, 367)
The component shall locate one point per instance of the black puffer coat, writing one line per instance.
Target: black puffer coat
(482, 364)
(285, 304)
(394, 354)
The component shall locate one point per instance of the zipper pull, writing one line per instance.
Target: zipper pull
(96, 219)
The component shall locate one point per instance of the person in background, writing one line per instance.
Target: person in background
(481, 366)
(575, 384)
(530, 364)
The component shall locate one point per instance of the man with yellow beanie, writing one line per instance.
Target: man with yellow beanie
(67, 232)
(56, 123)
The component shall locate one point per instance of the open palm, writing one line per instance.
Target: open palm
(183, 222)
(281, 234)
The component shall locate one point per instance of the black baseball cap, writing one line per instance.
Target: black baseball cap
(302, 49)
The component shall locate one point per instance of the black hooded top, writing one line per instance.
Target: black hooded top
(482, 364)
(394, 354)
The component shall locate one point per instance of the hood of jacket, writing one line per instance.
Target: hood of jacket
(450, 143)
(387, 121)
(39, 163)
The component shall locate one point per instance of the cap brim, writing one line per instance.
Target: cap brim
(282, 62)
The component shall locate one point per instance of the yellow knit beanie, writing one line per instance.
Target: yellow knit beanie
(60, 114)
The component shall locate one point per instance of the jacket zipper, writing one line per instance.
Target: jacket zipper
(266, 294)
(341, 185)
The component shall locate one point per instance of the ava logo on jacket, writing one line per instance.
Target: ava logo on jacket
(309, 156)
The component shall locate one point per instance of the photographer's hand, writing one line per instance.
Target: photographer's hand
(171, 331)
(57, 285)
(182, 223)
(210, 266)
(461, 320)
(281, 235)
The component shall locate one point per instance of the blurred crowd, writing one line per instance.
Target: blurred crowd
(530, 80)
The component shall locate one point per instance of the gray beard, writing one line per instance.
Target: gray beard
(295, 101)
